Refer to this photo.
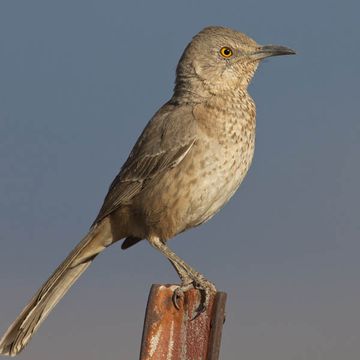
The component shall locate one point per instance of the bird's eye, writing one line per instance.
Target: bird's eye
(226, 52)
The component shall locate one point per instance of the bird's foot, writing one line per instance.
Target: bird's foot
(179, 293)
(205, 287)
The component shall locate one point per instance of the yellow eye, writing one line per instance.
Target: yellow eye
(226, 52)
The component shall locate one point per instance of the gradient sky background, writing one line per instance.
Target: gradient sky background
(78, 82)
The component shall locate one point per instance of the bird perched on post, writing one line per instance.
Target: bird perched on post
(186, 164)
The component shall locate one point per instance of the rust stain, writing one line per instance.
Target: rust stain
(172, 334)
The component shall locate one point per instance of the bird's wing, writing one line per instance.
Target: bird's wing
(164, 143)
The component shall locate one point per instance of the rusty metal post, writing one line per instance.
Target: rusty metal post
(175, 334)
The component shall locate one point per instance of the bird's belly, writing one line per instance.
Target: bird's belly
(193, 191)
(213, 177)
(217, 185)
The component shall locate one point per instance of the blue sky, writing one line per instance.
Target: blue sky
(78, 82)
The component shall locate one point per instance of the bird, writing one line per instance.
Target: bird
(187, 163)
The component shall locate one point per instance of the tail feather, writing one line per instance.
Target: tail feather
(31, 317)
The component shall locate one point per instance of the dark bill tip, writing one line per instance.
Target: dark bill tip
(274, 50)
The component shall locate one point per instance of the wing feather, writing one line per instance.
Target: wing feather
(162, 146)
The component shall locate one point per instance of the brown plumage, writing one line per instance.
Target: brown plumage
(187, 163)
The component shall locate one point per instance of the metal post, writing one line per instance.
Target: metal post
(175, 334)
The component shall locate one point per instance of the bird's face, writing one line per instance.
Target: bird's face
(220, 59)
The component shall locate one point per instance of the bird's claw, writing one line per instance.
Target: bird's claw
(205, 287)
(179, 293)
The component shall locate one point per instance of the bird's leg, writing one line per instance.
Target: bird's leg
(183, 275)
(186, 283)
(190, 278)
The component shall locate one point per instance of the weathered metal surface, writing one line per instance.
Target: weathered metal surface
(217, 322)
(172, 334)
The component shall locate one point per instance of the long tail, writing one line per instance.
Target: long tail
(29, 320)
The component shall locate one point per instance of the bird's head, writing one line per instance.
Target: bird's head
(219, 59)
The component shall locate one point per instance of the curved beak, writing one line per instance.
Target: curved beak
(272, 50)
